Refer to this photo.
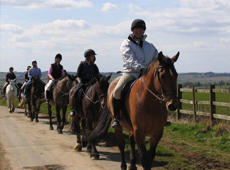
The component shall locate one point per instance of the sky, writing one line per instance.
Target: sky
(39, 29)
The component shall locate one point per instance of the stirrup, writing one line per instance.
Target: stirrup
(115, 123)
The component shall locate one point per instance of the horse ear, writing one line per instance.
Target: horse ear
(160, 57)
(97, 77)
(174, 58)
(109, 76)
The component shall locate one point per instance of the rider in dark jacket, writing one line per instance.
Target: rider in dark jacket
(55, 72)
(86, 71)
(9, 76)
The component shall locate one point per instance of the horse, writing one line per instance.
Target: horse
(11, 95)
(60, 95)
(144, 110)
(35, 98)
(89, 111)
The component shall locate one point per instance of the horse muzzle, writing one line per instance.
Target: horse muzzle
(172, 103)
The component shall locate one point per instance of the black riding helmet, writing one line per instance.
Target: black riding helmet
(138, 23)
(89, 52)
(58, 56)
(11, 68)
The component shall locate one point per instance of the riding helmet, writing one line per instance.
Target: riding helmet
(28, 67)
(58, 56)
(11, 68)
(34, 61)
(138, 23)
(89, 52)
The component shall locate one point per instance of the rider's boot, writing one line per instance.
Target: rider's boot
(116, 111)
(47, 96)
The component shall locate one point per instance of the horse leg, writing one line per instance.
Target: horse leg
(50, 117)
(83, 126)
(78, 146)
(34, 110)
(140, 140)
(58, 120)
(63, 117)
(121, 145)
(37, 111)
(30, 111)
(133, 159)
(154, 140)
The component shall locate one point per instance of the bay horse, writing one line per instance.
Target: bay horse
(11, 95)
(89, 111)
(60, 94)
(35, 98)
(144, 111)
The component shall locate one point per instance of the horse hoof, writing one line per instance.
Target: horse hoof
(94, 156)
(51, 128)
(60, 131)
(36, 121)
(78, 147)
(133, 167)
(84, 144)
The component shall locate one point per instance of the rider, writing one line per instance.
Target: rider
(9, 76)
(34, 71)
(55, 72)
(26, 80)
(137, 53)
(86, 70)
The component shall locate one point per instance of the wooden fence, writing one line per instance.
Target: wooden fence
(212, 103)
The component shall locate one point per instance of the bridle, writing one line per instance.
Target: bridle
(162, 98)
(100, 96)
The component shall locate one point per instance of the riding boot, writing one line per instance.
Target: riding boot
(116, 111)
(47, 96)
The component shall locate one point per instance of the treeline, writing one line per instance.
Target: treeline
(198, 84)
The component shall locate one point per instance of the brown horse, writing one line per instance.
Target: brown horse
(60, 96)
(145, 110)
(89, 111)
(35, 98)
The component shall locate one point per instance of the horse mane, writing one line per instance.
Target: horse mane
(166, 62)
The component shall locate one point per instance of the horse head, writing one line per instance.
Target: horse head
(71, 80)
(102, 86)
(12, 84)
(167, 80)
(164, 80)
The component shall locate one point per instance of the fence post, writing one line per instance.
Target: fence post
(179, 96)
(212, 98)
(194, 103)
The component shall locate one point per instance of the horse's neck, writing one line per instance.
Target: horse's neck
(92, 91)
(149, 78)
(63, 85)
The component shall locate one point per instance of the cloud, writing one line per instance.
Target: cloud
(11, 28)
(109, 7)
(48, 4)
(191, 17)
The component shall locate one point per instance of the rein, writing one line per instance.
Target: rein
(94, 102)
(162, 98)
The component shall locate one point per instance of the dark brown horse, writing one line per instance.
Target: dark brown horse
(88, 111)
(35, 98)
(145, 110)
(60, 96)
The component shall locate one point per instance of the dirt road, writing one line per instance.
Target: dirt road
(30, 145)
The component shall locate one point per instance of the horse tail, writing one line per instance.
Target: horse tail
(102, 127)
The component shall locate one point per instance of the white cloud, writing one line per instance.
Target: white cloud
(11, 28)
(109, 7)
(191, 17)
(44, 4)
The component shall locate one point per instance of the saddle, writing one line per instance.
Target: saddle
(124, 94)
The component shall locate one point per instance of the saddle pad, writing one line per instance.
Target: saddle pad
(127, 88)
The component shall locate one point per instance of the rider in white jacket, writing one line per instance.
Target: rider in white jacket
(137, 54)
